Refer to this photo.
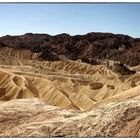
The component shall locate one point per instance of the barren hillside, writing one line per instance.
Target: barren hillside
(69, 86)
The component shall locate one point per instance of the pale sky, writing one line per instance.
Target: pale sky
(17, 19)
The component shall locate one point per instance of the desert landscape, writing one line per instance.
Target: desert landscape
(70, 86)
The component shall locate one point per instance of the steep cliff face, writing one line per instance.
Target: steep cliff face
(87, 47)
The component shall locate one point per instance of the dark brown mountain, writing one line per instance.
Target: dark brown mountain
(87, 48)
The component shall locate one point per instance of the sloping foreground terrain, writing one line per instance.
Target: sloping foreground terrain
(33, 118)
(55, 96)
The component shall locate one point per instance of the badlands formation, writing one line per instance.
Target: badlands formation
(69, 86)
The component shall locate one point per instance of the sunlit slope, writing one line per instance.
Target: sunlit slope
(114, 117)
(64, 83)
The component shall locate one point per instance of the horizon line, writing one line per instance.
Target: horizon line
(67, 34)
